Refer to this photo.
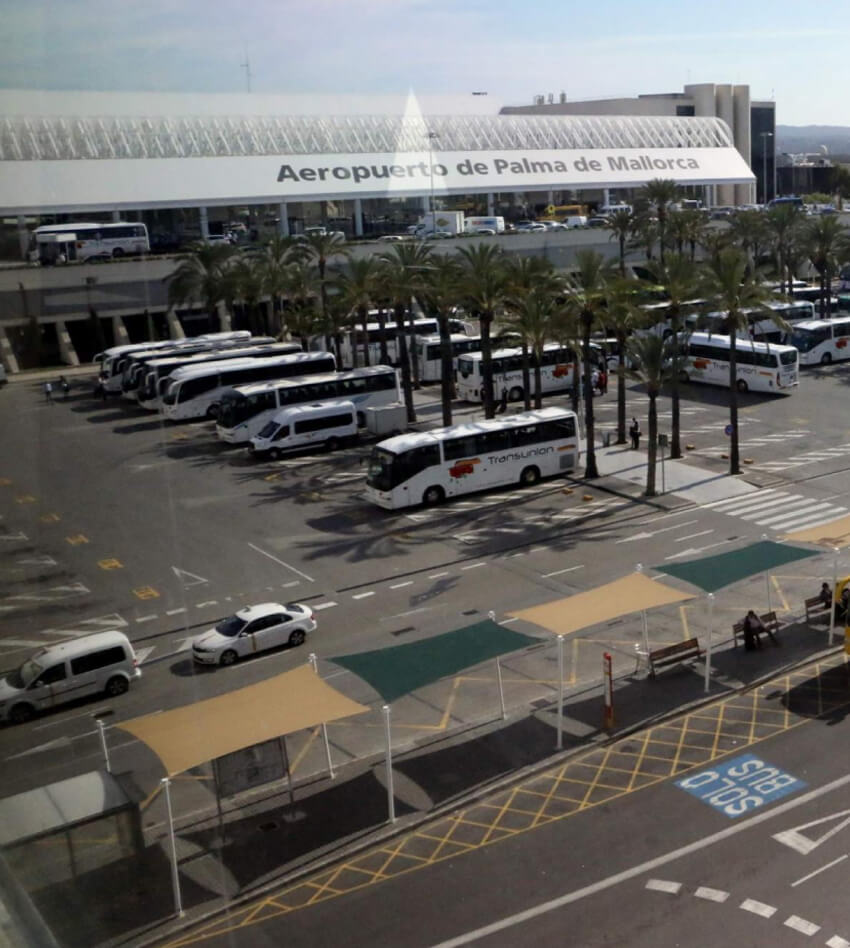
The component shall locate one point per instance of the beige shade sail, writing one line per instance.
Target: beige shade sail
(835, 534)
(632, 593)
(191, 735)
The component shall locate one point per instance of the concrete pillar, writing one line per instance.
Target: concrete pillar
(742, 132)
(203, 223)
(7, 353)
(426, 204)
(175, 329)
(116, 216)
(23, 236)
(358, 217)
(224, 322)
(726, 111)
(491, 204)
(283, 219)
(119, 331)
(606, 197)
(67, 352)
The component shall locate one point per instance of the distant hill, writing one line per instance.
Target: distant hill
(810, 138)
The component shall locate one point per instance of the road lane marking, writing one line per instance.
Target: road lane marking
(691, 536)
(143, 653)
(811, 875)
(801, 925)
(174, 612)
(569, 569)
(188, 579)
(323, 605)
(758, 908)
(77, 539)
(409, 582)
(363, 595)
(21, 643)
(662, 885)
(438, 575)
(473, 566)
(208, 602)
(578, 894)
(147, 618)
(110, 564)
(145, 592)
(838, 942)
(281, 562)
(712, 895)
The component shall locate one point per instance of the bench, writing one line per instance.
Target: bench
(768, 620)
(672, 655)
(817, 607)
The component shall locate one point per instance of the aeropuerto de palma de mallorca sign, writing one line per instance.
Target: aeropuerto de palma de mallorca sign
(28, 186)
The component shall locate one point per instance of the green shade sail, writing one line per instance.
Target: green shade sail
(397, 671)
(711, 573)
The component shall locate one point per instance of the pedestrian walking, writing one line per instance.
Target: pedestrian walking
(503, 402)
(63, 384)
(603, 380)
(48, 392)
(634, 434)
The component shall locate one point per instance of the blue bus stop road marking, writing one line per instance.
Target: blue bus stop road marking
(741, 784)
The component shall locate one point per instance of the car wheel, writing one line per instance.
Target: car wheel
(297, 636)
(529, 476)
(515, 394)
(742, 386)
(116, 685)
(332, 444)
(826, 358)
(228, 658)
(433, 496)
(21, 713)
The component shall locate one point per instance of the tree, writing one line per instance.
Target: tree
(358, 284)
(659, 194)
(590, 282)
(653, 358)
(531, 313)
(440, 291)
(750, 231)
(622, 317)
(320, 248)
(825, 241)
(303, 318)
(679, 277)
(621, 224)
(483, 291)
(783, 224)
(246, 283)
(275, 260)
(202, 277)
(686, 227)
(731, 288)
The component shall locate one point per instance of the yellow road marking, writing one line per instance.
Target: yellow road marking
(145, 592)
(50, 518)
(110, 564)
(5, 481)
(77, 539)
(776, 586)
(25, 499)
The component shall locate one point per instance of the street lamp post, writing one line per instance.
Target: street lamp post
(432, 136)
(764, 139)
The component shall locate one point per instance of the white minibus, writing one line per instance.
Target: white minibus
(821, 341)
(244, 410)
(302, 426)
(194, 391)
(428, 467)
(760, 367)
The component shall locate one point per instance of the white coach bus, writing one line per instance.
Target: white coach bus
(760, 367)
(429, 359)
(556, 373)
(428, 467)
(352, 341)
(821, 341)
(245, 410)
(194, 391)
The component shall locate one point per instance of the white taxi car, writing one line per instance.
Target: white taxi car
(254, 629)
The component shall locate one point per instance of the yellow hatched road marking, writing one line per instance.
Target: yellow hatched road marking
(110, 564)
(145, 592)
(50, 518)
(25, 499)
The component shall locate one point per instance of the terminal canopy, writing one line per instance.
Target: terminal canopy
(632, 593)
(191, 735)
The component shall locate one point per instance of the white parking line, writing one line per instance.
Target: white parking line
(801, 925)
(662, 885)
(712, 895)
(758, 908)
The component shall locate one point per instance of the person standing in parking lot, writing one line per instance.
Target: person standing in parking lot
(48, 392)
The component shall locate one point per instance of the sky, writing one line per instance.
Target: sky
(512, 50)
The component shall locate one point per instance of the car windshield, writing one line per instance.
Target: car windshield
(230, 626)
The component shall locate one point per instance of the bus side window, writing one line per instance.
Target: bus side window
(418, 459)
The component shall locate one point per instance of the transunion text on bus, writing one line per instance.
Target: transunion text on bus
(468, 167)
(518, 455)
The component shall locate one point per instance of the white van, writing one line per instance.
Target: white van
(302, 426)
(103, 663)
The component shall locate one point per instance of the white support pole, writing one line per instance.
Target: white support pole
(501, 688)
(102, 728)
(390, 795)
(645, 633)
(315, 663)
(766, 538)
(834, 588)
(710, 637)
(175, 876)
(560, 743)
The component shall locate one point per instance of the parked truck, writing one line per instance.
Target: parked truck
(485, 225)
(440, 223)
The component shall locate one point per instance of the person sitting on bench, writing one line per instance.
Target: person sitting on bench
(753, 628)
(826, 595)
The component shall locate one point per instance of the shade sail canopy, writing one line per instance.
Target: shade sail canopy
(632, 593)
(189, 736)
(711, 573)
(835, 534)
(397, 671)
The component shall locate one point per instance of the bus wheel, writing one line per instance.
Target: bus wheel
(117, 252)
(684, 377)
(742, 386)
(826, 358)
(433, 496)
(515, 394)
(529, 476)
(332, 444)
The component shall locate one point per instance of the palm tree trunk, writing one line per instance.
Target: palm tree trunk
(734, 454)
(651, 445)
(446, 380)
(363, 313)
(675, 435)
(485, 320)
(538, 384)
(405, 313)
(382, 336)
(576, 381)
(622, 255)
(591, 470)
(621, 395)
(526, 376)
(404, 359)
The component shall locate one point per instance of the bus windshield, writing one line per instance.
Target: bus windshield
(381, 469)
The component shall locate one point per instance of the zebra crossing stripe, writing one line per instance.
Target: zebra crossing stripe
(810, 513)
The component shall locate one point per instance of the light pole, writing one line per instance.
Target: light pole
(764, 139)
(432, 136)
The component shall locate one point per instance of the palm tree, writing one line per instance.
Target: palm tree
(653, 358)
(321, 248)
(731, 288)
(531, 313)
(680, 278)
(686, 227)
(714, 242)
(202, 277)
(303, 318)
(622, 317)
(826, 243)
(483, 291)
(275, 260)
(246, 283)
(358, 284)
(440, 292)
(749, 230)
(590, 281)
(783, 224)
(621, 224)
(660, 193)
